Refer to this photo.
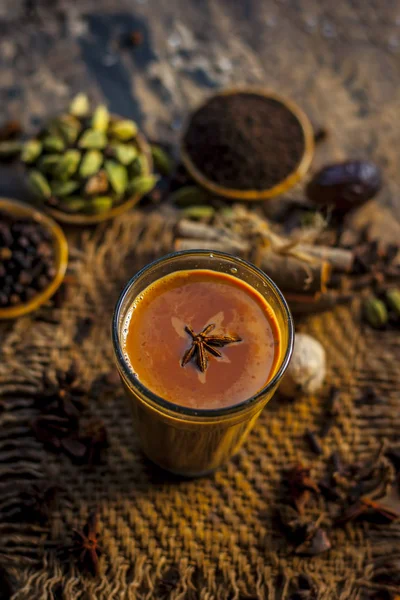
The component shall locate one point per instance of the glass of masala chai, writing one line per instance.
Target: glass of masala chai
(202, 340)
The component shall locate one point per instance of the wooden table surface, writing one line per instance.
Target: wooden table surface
(339, 60)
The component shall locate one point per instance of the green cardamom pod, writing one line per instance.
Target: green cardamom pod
(69, 127)
(188, 195)
(123, 130)
(199, 212)
(73, 204)
(64, 188)
(143, 184)
(91, 163)
(375, 312)
(117, 175)
(100, 118)
(124, 153)
(68, 165)
(31, 151)
(97, 184)
(138, 167)
(80, 106)
(96, 140)
(163, 163)
(39, 185)
(48, 162)
(9, 149)
(53, 143)
(98, 205)
(392, 298)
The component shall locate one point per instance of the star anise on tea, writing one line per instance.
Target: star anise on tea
(85, 548)
(204, 344)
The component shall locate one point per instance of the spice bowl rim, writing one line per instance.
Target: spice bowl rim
(288, 182)
(177, 410)
(18, 208)
(82, 219)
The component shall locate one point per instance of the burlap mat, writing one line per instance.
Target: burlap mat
(210, 538)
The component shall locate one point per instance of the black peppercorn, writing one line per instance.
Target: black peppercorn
(26, 259)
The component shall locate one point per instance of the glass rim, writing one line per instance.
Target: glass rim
(178, 408)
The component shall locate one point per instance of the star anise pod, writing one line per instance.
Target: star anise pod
(204, 344)
(65, 395)
(35, 502)
(85, 548)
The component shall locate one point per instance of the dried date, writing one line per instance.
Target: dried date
(346, 185)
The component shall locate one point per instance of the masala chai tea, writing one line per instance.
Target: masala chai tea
(202, 340)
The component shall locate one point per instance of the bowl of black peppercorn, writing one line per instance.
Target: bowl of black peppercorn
(33, 258)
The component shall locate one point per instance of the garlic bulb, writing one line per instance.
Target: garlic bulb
(307, 369)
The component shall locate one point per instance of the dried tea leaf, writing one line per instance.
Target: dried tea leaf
(31, 151)
(80, 105)
(123, 129)
(39, 185)
(118, 176)
(91, 163)
(101, 118)
(95, 140)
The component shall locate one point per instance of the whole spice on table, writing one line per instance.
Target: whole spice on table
(65, 395)
(300, 486)
(27, 260)
(345, 186)
(7, 587)
(10, 130)
(332, 410)
(35, 502)
(375, 312)
(307, 369)
(85, 548)
(84, 162)
(64, 424)
(244, 141)
(303, 587)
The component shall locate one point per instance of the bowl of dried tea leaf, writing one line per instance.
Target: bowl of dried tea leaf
(248, 144)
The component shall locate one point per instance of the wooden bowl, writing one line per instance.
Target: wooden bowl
(251, 194)
(82, 219)
(25, 211)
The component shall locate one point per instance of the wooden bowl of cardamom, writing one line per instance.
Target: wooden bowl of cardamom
(88, 166)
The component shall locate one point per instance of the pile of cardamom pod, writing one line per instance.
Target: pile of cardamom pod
(87, 162)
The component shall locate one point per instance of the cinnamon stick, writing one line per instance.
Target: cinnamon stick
(289, 273)
(340, 259)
